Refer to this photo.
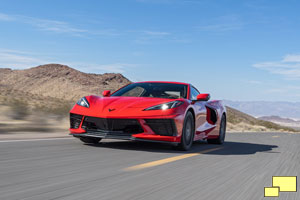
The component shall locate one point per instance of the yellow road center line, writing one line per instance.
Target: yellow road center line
(275, 136)
(168, 160)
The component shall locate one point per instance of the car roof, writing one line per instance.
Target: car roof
(172, 82)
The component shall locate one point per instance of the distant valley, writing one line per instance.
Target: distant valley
(282, 121)
(289, 110)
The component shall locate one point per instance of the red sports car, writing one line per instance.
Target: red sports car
(168, 112)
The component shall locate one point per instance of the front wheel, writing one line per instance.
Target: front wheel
(222, 132)
(188, 131)
(90, 140)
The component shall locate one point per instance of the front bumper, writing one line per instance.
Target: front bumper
(161, 139)
(153, 129)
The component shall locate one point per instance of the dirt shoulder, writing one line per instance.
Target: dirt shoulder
(33, 135)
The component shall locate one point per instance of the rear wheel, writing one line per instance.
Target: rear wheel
(188, 131)
(90, 140)
(222, 132)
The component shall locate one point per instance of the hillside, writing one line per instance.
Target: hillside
(58, 82)
(53, 86)
(239, 121)
(278, 119)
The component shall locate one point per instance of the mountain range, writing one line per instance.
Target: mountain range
(267, 108)
(52, 84)
(282, 121)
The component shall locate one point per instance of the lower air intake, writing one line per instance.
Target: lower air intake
(126, 126)
(164, 127)
(75, 120)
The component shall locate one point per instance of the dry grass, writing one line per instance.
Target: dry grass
(239, 121)
(42, 122)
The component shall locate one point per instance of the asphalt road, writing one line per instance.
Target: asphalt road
(67, 169)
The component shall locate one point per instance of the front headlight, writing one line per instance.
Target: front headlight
(83, 102)
(165, 106)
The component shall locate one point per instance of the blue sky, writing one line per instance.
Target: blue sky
(236, 50)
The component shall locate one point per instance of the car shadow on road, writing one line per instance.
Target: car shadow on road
(242, 148)
(228, 148)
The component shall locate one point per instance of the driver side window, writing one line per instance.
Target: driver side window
(194, 93)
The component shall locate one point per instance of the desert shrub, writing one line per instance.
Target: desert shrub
(19, 109)
(61, 111)
(274, 126)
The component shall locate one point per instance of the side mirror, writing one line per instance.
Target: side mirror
(106, 93)
(203, 97)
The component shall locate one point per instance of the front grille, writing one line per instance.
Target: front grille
(75, 120)
(112, 126)
(162, 126)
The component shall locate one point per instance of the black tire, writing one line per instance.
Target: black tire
(222, 133)
(89, 140)
(188, 132)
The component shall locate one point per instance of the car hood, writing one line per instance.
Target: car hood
(121, 106)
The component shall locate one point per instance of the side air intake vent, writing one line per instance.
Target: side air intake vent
(211, 116)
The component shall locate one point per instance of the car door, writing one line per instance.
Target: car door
(200, 114)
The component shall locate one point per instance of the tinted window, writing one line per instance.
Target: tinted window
(157, 90)
(134, 92)
(194, 93)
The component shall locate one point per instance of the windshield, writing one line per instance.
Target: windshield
(157, 90)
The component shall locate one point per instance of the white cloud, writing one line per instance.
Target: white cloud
(222, 24)
(62, 27)
(105, 32)
(43, 24)
(292, 58)
(107, 68)
(220, 27)
(149, 36)
(4, 17)
(56, 26)
(23, 60)
(53, 26)
(156, 33)
(253, 82)
(17, 59)
(289, 66)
